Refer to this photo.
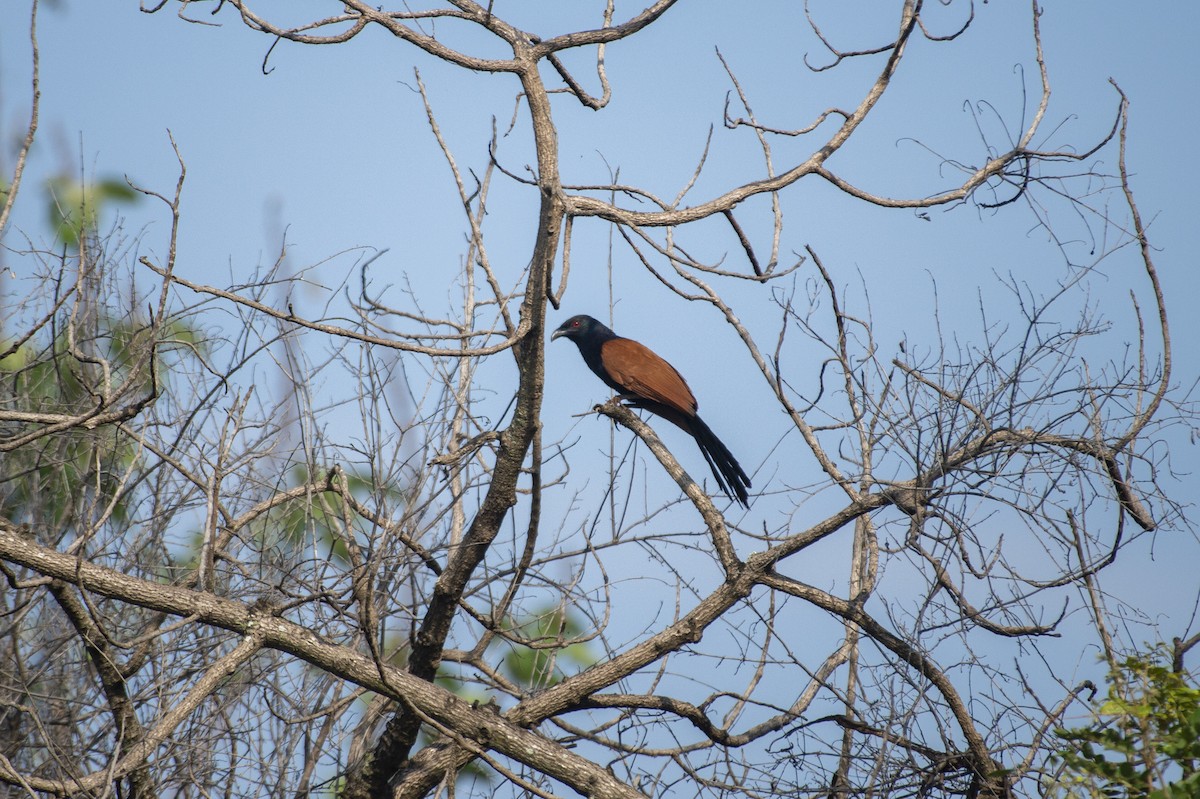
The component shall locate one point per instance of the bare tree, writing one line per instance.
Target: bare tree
(215, 583)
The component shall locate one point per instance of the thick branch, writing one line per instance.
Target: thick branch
(481, 726)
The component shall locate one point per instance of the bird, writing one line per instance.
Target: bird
(646, 381)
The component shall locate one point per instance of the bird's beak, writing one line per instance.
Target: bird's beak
(556, 334)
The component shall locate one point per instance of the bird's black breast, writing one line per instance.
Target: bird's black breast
(594, 358)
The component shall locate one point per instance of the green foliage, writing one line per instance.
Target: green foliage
(18, 359)
(45, 483)
(323, 514)
(535, 666)
(48, 481)
(1145, 741)
(97, 358)
(538, 665)
(75, 207)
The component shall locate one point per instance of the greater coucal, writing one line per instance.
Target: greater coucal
(645, 380)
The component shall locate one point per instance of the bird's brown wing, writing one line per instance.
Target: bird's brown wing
(638, 371)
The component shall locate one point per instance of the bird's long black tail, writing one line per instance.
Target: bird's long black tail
(725, 468)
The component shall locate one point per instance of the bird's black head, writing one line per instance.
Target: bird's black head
(582, 328)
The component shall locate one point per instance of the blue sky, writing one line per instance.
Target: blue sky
(333, 146)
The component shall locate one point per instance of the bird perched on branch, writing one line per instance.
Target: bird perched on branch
(645, 380)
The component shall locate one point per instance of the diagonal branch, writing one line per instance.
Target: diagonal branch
(261, 629)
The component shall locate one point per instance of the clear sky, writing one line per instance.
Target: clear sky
(332, 145)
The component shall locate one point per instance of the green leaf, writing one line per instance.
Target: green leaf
(75, 207)
(1146, 727)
